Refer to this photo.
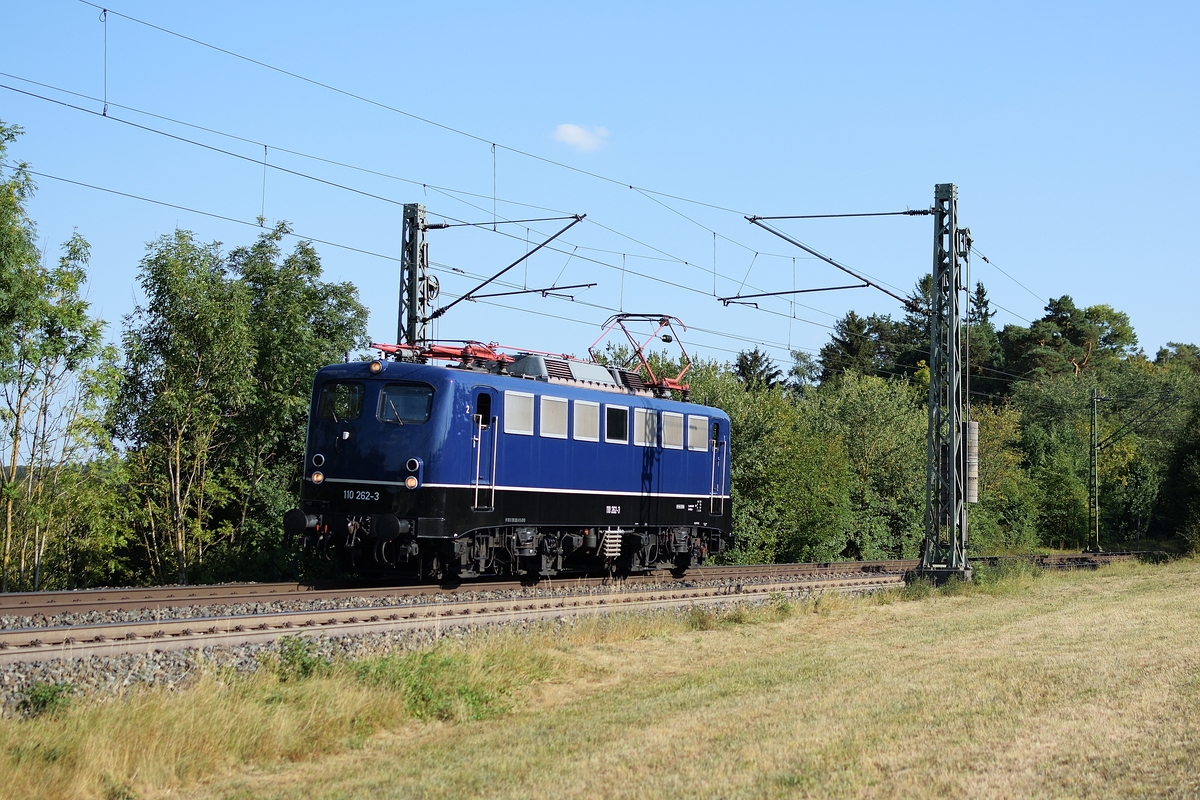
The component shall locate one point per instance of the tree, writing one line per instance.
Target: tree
(187, 368)
(986, 358)
(214, 401)
(880, 428)
(1069, 340)
(805, 372)
(297, 324)
(850, 349)
(48, 347)
(789, 480)
(1183, 356)
(756, 370)
(1004, 520)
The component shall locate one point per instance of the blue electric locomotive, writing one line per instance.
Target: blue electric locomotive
(529, 466)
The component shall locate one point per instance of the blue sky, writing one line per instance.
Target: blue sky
(1070, 130)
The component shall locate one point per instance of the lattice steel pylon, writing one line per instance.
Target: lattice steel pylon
(416, 289)
(944, 552)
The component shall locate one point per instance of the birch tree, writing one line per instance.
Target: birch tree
(47, 339)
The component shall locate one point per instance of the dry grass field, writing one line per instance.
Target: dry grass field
(1057, 685)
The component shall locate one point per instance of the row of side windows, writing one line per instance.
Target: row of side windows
(647, 424)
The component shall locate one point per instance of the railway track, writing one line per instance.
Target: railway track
(30, 604)
(410, 607)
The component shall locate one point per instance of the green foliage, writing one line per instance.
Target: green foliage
(298, 659)
(779, 605)
(1005, 519)
(789, 483)
(187, 370)
(46, 699)
(436, 684)
(54, 370)
(833, 472)
(214, 400)
(1006, 570)
(756, 370)
(918, 589)
(880, 427)
(1069, 341)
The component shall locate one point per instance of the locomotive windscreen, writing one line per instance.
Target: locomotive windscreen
(405, 403)
(341, 400)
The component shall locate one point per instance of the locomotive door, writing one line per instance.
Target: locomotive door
(716, 499)
(483, 446)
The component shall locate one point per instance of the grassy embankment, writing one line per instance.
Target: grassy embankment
(1052, 685)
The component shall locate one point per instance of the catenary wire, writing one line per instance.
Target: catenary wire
(446, 269)
(992, 264)
(446, 191)
(402, 112)
(378, 173)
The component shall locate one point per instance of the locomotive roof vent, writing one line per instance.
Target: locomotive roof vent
(543, 368)
(629, 378)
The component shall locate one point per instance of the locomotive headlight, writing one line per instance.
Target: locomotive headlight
(410, 482)
(318, 477)
(376, 367)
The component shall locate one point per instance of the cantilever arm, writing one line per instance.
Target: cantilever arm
(578, 218)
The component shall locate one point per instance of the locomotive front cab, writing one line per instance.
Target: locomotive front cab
(369, 439)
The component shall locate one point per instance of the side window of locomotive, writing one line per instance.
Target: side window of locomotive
(405, 403)
(672, 430)
(697, 435)
(616, 424)
(645, 427)
(587, 421)
(554, 417)
(340, 401)
(518, 413)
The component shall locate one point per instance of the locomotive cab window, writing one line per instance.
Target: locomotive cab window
(405, 403)
(554, 417)
(340, 401)
(616, 424)
(645, 427)
(587, 421)
(697, 433)
(518, 413)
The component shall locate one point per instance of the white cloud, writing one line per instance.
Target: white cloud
(582, 139)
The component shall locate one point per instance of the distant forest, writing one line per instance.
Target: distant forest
(173, 456)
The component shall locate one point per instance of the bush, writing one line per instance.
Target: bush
(436, 685)
(298, 659)
(46, 698)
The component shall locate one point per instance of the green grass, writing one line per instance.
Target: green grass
(1021, 684)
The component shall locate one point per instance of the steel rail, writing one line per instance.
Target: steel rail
(107, 639)
(28, 604)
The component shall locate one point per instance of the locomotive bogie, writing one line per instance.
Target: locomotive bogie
(444, 472)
